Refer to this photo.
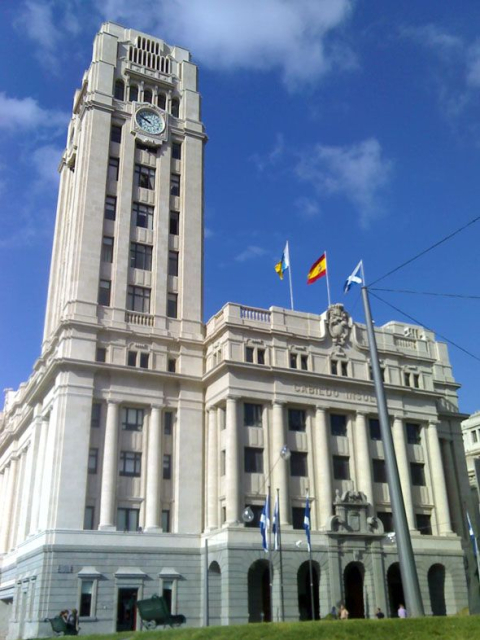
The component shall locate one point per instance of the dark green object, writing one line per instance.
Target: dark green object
(59, 626)
(154, 611)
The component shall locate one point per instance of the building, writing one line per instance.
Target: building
(136, 458)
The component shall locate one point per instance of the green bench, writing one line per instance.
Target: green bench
(154, 611)
(59, 627)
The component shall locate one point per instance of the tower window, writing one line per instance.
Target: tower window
(140, 256)
(174, 223)
(172, 365)
(138, 299)
(175, 184)
(173, 263)
(104, 290)
(175, 108)
(133, 93)
(144, 177)
(107, 249)
(172, 305)
(417, 470)
(413, 433)
(100, 354)
(176, 151)
(143, 215)
(113, 164)
(115, 133)
(252, 415)
(374, 426)
(119, 91)
(110, 207)
(161, 101)
(148, 96)
(144, 360)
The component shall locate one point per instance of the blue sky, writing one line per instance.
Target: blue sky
(351, 127)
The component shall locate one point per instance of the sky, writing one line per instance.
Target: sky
(344, 126)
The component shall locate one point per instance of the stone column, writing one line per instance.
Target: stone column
(279, 467)
(323, 472)
(363, 464)
(4, 522)
(109, 476)
(212, 470)
(400, 444)
(154, 470)
(439, 486)
(7, 510)
(232, 462)
(38, 468)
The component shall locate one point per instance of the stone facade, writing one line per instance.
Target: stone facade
(129, 456)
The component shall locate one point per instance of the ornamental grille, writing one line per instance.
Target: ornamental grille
(146, 53)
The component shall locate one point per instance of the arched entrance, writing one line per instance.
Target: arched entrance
(259, 605)
(304, 592)
(436, 587)
(395, 588)
(214, 594)
(353, 583)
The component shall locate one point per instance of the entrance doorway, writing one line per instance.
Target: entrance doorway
(126, 609)
(353, 582)
(395, 589)
(259, 604)
(436, 586)
(304, 592)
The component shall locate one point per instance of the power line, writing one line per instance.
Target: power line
(454, 344)
(422, 253)
(427, 293)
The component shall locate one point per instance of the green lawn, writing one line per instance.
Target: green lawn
(451, 628)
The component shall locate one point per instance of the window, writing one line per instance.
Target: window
(127, 519)
(424, 524)
(172, 365)
(386, 518)
(341, 468)
(411, 379)
(131, 358)
(304, 362)
(175, 184)
(104, 292)
(148, 96)
(113, 164)
(101, 354)
(144, 177)
(176, 151)
(167, 467)
(161, 101)
(249, 354)
(144, 359)
(93, 461)
(413, 433)
(333, 367)
(344, 368)
(173, 263)
(257, 514)
(252, 415)
(255, 355)
(338, 425)
(382, 372)
(374, 426)
(172, 305)
(260, 356)
(138, 299)
(379, 471)
(132, 419)
(417, 470)
(119, 92)
(133, 93)
(168, 423)
(474, 436)
(110, 208)
(293, 361)
(86, 593)
(298, 464)
(339, 368)
(298, 517)
(175, 107)
(130, 464)
(166, 520)
(115, 133)
(140, 256)
(223, 462)
(143, 215)
(253, 460)
(297, 420)
(174, 223)
(96, 415)
(88, 518)
(107, 249)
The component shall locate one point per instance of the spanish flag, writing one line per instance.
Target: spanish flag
(318, 269)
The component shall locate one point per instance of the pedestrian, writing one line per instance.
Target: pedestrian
(402, 612)
(333, 612)
(379, 613)
(343, 613)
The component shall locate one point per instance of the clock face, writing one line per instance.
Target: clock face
(150, 121)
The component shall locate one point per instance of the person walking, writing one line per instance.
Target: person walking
(379, 613)
(343, 615)
(402, 612)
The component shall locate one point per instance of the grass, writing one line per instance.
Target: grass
(451, 628)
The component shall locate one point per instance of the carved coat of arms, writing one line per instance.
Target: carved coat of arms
(338, 324)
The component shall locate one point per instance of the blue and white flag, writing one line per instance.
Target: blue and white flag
(276, 526)
(472, 536)
(306, 523)
(353, 279)
(265, 523)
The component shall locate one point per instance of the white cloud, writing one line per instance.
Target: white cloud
(46, 160)
(473, 65)
(26, 114)
(360, 172)
(307, 207)
(433, 37)
(250, 253)
(272, 157)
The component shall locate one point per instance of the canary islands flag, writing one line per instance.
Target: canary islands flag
(318, 269)
(284, 262)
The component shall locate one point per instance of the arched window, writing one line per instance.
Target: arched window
(148, 96)
(133, 95)
(175, 107)
(119, 90)
(161, 100)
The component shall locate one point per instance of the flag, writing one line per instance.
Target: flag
(265, 523)
(306, 523)
(472, 536)
(353, 279)
(318, 269)
(284, 262)
(276, 526)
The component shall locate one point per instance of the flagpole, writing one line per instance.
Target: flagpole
(310, 566)
(408, 570)
(269, 524)
(279, 538)
(290, 275)
(328, 281)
